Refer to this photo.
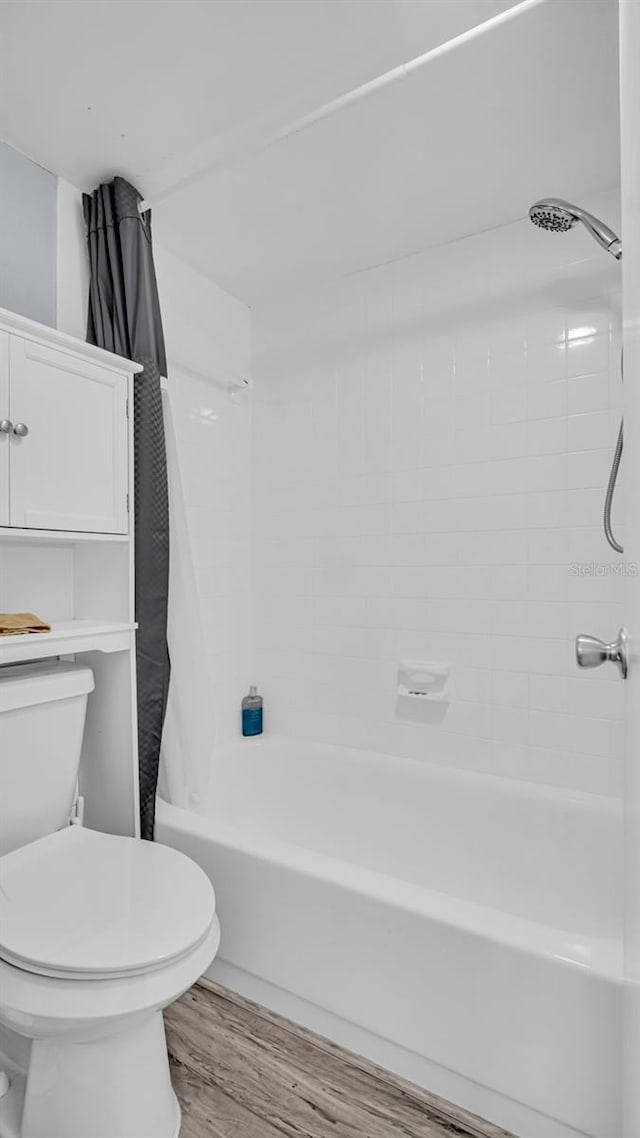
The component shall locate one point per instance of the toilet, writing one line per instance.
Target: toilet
(98, 933)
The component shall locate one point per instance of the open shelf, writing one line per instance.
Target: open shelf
(12, 533)
(67, 636)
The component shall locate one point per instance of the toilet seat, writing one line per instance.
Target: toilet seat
(79, 904)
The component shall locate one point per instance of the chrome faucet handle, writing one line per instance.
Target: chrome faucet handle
(6, 426)
(592, 652)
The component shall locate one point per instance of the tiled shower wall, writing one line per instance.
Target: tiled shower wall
(431, 444)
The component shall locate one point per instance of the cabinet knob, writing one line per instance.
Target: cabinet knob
(21, 430)
(6, 426)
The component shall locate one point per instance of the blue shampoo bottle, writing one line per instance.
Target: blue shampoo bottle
(252, 713)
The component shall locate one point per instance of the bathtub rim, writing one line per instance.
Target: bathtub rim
(612, 805)
(517, 933)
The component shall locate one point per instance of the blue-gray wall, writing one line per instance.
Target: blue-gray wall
(28, 207)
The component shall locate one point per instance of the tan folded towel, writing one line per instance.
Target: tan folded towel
(18, 623)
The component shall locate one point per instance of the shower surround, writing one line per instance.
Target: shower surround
(432, 442)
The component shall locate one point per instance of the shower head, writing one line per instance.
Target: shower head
(558, 216)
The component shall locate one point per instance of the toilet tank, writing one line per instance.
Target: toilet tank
(42, 714)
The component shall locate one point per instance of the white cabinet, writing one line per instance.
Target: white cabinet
(65, 444)
(70, 471)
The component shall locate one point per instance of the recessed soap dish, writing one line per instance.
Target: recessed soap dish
(424, 680)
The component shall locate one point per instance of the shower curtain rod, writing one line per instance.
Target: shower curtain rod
(346, 100)
(226, 379)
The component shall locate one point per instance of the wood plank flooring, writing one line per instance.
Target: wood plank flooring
(242, 1072)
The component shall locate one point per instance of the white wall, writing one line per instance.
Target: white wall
(72, 263)
(27, 236)
(431, 444)
(207, 333)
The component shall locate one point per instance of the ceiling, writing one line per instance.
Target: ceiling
(155, 91)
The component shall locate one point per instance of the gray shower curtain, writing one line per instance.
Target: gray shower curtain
(124, 317)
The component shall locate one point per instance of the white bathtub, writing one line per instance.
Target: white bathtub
(462, 929)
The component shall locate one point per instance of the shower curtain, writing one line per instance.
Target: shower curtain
(124, 317)
(190, 727)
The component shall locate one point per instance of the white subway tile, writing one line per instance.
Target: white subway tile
(588, 468)
(509, 689)
(599, 698)
(588, 393)
(509, 405)
(509, 724)
(588, 431)
(549, 730)
(545, 325)
(546, 436)
(549, 693)
(546, 361)
(547, 400)
(587, 355)
(377, 518)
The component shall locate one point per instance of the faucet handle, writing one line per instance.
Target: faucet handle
(592, 652)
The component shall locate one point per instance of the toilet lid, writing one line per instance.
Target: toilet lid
(84, 904)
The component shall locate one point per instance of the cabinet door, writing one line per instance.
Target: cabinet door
(69, 472)
(4, 437)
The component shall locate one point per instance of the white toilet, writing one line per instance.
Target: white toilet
(98, 934)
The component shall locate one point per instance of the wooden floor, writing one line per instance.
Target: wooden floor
(242, 1072)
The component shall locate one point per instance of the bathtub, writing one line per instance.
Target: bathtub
(462, 929)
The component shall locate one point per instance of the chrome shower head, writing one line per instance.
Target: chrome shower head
(548, 215)
(558, 216)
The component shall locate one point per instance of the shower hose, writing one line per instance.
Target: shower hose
(608, 501)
